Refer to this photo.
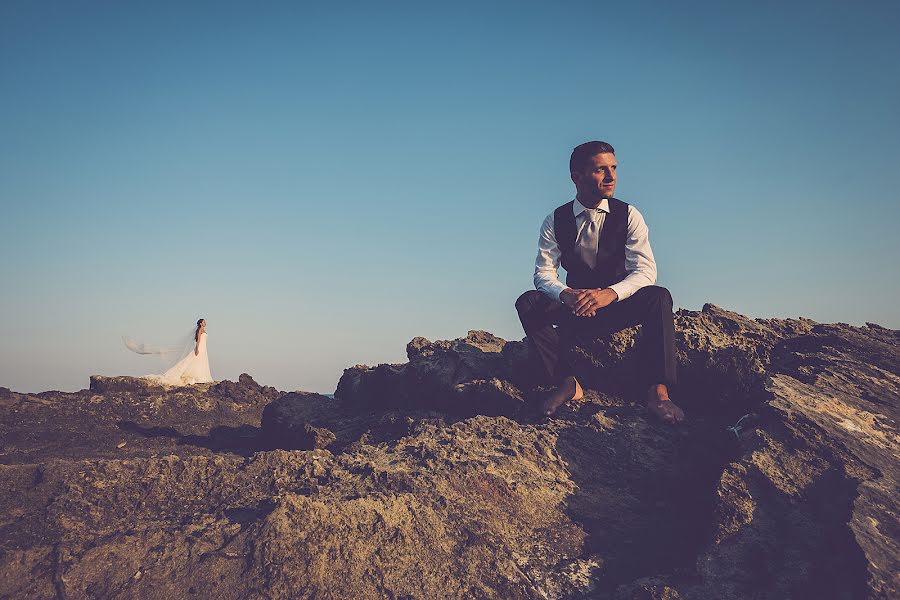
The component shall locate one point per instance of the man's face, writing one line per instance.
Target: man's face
(598, 179)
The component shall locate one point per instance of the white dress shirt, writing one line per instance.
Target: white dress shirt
(639, 262)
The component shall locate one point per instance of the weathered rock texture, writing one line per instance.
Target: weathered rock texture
(435, 479)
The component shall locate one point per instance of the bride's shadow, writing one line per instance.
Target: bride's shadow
(243, 440)
(345, 426)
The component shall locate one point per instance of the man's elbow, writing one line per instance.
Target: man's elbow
(542, 279)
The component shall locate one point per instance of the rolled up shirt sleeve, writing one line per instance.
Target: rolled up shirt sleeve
(639, 261)
(546, 265)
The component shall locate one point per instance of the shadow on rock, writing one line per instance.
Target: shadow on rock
(306, 421)
(299, 421)
(644, 492)
(243, 440)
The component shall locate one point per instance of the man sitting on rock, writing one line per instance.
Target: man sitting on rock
(603, 245)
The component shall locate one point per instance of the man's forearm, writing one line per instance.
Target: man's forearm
(551, 286)
(632, 283)
(546, 265)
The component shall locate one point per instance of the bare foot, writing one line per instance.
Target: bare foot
(660, 406)
(569, 389)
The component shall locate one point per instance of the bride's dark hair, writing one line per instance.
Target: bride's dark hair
(197, 331)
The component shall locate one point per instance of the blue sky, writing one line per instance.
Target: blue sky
(324, 183)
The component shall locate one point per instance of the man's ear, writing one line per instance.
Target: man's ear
(575, 177)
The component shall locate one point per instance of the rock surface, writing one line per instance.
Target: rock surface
(435, 478)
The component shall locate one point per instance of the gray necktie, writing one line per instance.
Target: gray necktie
(589, 236)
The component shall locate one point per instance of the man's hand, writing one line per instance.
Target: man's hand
(586, 303)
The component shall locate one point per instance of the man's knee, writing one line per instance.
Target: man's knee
(528, 301)
(658, 295)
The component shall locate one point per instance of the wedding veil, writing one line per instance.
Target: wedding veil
(169, 354)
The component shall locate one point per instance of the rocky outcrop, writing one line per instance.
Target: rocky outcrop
(722, 356)
(435, 479)
(464, 377)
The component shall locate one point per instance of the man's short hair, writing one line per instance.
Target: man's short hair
(583, 153)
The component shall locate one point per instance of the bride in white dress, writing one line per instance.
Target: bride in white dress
(193, 367)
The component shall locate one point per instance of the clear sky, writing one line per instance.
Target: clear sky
(324, 183)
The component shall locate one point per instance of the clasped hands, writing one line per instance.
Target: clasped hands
(586, 303)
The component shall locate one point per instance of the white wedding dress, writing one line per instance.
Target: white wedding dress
(192, 368)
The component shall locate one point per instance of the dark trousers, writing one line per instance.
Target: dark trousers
(650, 307)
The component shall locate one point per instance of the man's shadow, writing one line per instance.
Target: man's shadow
(645, 491)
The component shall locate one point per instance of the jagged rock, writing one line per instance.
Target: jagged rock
(492, 397)
(441, 376)
(816, 489)
(91, 423)
(133, 385)
(202, 500)
(721, 355)
(284, 424)
(246, 390)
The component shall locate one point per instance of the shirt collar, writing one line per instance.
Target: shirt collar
(578, 207)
